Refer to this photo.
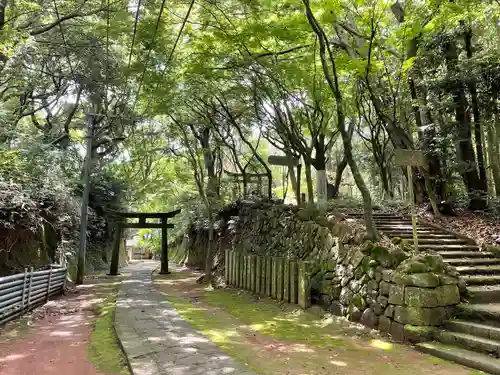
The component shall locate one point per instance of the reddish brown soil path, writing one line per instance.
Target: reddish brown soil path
(55, 340)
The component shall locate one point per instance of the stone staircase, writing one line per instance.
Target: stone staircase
(472, 338)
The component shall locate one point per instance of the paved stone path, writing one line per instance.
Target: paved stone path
(156, 340)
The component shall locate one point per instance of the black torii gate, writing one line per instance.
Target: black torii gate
(143, 217)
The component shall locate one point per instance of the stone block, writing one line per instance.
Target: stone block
(421, 297)
(448, 295)
(346, 296)
(396, 294)
(389, 311)
(420, 316)
(335, 308)
(417, 334)
(355, 285)
(383, 301)
(424, 280)
(358, 301)
(377, 308)
(386, 275)
(384, 324)
(397, 331)
(369, 318)
(447, 280)
(353, 314)
(356, 258)
(384, 288)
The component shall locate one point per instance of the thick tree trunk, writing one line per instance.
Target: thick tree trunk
(477, 118)
(310, 187)
(320, 166)
(494, 158)
(209, 253)
(338, 176)
(465, 150)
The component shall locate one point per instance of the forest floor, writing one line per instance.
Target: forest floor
(277, 339)
(72, 334)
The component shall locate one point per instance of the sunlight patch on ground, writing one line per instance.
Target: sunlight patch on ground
(12, 357)
(384, 345)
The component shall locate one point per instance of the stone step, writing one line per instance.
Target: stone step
(407, 227)
(483, 293)
(472, 261)
(481, 279)
(479, 270)
(488, 330)
(470, 342)
(444, 247)
(479, 312)
(461, 356)
(408, 231)
(466, 254)
(409, 234)
(445, 241)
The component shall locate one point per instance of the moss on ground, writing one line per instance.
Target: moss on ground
(104, 350)
(275, 338)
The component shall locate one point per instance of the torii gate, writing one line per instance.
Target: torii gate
(143, 223)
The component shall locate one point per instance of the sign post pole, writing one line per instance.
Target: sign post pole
(411, 158)
(413, 209)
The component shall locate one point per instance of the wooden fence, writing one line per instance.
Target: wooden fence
(276, 277)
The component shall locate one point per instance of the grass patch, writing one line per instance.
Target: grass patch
(278, 321)
(104, 350)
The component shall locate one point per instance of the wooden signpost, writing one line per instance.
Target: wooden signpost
(411, 158)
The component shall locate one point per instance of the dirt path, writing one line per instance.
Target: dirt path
(272, 339)
(54, 339)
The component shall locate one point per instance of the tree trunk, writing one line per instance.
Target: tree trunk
(208, 255)
(320, 166)
(338, 176)
(293, 180)
(494, 158)
(477, 118)
(465, 150)
(333, 82)
(310, 188)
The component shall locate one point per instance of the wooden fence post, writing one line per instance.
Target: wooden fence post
(274, 272)
(23, 299)
(252, 272)
(227, 266)
(268, 276)
(237, 270)
(48, 285)
(294, 282)
(286, 280)
(29, 287)
(279, 278)
(304, 285)
(258, 274)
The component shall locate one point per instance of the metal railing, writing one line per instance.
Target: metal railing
(24, 291)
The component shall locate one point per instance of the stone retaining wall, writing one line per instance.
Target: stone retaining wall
(385, 287)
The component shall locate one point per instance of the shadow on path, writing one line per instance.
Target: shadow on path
(156, 339)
